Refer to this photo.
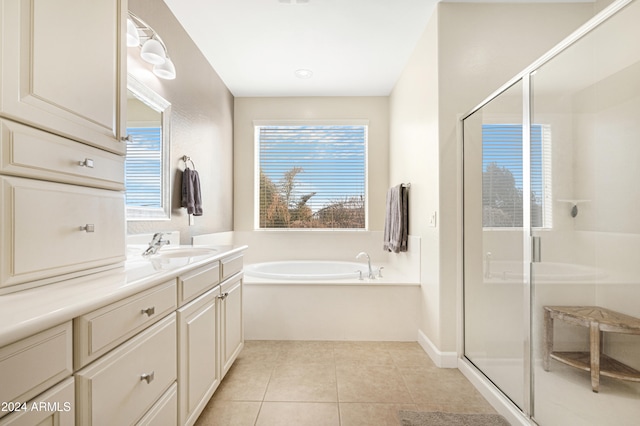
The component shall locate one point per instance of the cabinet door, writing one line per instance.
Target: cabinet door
(60, 67)
(232, 327)
(198, 371)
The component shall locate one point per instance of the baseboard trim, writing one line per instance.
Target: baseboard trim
(440, 359)
(488, 390)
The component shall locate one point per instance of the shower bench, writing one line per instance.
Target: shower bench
(598, 320)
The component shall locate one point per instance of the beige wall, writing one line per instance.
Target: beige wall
(414, 158)
(201, 125)
(374, 109)
(479, 47)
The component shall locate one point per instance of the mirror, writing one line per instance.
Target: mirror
(147, 158)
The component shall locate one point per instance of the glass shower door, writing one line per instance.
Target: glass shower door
(496, 289)
(587, 101)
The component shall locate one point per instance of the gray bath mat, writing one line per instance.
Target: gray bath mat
(437, 418)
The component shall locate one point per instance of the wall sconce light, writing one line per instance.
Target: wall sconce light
(153, 50)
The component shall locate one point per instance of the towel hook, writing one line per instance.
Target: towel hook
(188, 159)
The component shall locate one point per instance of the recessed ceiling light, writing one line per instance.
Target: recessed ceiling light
(303, 73)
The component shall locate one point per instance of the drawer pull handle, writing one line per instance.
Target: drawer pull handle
(87, 162)
(148, 377)
(149, 311)
(126, 138)
(223, 296)
(89, 227)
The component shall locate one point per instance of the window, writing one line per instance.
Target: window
(502, 193)
(311, 176)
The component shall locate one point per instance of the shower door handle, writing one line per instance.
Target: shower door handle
(536, 250)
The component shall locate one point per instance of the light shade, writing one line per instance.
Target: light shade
(153, 52)
(166, 70)
(133, 38)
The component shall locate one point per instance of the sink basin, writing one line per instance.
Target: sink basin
(169, 253)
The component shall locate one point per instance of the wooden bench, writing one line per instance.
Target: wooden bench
(598, 320)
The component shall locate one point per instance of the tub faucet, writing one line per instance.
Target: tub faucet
(487, 265)
(156, 243)
(371, 274)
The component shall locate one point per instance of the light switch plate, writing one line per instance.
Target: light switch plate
(433, 220)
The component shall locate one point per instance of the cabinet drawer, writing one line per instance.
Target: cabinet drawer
(31, 365)
(122, 386)
(231, 266)
(198, 281)
(103, 329)
(164, 412)
(54, 407)
(28, 152)
(41, 234)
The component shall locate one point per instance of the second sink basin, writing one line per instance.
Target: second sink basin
(168, 253)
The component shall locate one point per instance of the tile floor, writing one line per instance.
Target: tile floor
(309, 383)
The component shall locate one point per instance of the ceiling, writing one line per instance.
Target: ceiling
(352, 47)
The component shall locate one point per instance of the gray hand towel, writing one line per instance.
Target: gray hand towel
(396, 224)
(191, 195)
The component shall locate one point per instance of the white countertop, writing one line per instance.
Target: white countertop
(27, 312)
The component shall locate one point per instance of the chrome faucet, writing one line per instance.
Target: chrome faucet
(371, 274)
(156, 243)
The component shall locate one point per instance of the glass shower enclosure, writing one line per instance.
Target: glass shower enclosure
(551, 219)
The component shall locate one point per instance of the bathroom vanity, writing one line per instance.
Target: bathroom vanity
(89, 335)
(148, 343)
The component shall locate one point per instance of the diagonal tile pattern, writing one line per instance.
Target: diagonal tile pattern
(310, 383)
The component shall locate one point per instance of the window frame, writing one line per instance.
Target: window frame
(256, 168)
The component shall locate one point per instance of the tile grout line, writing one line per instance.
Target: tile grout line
(335, 370)
(266, 388)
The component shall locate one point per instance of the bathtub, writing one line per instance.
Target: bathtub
(547, 272)
(303, 270)
(326, 300)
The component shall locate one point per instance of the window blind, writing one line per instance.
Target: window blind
(143, 167)
(502, 184)
(312, 176)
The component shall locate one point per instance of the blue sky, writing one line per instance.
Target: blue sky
(327, 154)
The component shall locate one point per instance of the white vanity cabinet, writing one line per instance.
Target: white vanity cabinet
(61, 66)
(62, 84)
(210, 333)
(154, 356)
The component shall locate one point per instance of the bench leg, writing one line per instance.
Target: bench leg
(548, 340)
(594, 338)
